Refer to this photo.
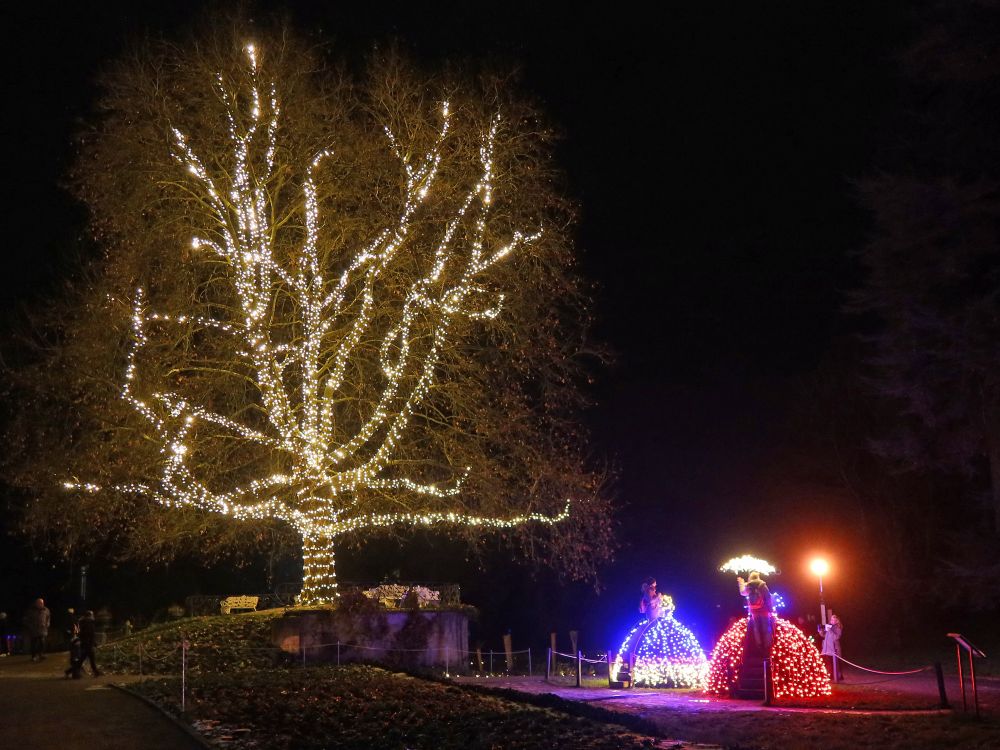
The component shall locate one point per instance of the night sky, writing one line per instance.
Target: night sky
(712, 151)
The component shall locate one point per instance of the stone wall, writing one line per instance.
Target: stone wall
(420, 638)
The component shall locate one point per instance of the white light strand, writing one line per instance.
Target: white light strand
(301, 381)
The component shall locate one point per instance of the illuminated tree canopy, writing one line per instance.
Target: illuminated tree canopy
(342, 304)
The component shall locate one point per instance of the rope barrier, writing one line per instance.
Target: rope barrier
(878, 671)
(602, 660)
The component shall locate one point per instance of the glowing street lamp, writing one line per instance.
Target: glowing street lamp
(820, 568)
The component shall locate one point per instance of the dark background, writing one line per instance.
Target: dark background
(712, 150)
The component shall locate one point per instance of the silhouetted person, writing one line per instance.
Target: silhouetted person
(5, 649)
(75, 650)
(88, 641)
(759, 603)
(36, 626)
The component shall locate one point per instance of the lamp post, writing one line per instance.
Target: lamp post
(820, 568)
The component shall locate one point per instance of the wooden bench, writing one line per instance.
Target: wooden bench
(230, 603)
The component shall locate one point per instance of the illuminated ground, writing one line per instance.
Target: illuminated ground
(862, 713)
(913, 695)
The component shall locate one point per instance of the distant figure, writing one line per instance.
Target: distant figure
(831, 644)
(759, 603)
(88, 641)
(75, 659)
(36, 627)
(127, 628)
(650, 604)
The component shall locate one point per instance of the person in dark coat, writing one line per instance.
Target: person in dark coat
(75, 667)
(5, 649)
(88, 641)
(36, 626)
(759, 604)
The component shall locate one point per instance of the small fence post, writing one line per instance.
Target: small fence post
(972, 677)
(184, 650)
(338, 652)
(579, 669)
(940, 683)
(491, 661)
(768, 687)
(961, 678)
(529, 661)
(446, 664)
(140, 659)
(548, 665)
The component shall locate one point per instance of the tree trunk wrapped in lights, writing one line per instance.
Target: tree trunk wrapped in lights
(371, 323)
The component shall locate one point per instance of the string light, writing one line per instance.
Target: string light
(300, 381)
(667, 655)
(797, 669)
(747, 564)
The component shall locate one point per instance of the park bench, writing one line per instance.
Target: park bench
(230, 603)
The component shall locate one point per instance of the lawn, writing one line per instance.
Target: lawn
(367, 707)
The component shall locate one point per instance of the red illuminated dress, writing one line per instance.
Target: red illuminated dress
(797, 669)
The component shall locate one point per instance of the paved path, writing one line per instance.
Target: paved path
(43, 710)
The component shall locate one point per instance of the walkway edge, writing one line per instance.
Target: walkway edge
(177, 722)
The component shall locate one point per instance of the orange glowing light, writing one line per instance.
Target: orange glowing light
(819, 567)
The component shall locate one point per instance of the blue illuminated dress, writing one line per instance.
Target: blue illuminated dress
(660, 651)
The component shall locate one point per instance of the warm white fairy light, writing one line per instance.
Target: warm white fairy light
(747, 564)
(300, 381)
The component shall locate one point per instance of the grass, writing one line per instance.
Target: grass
(776, 730)
(216, 644)
(368, 707)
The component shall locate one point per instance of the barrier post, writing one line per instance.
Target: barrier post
(491, 661)
(184, 651)
(972, 676)
(529, 661)
(338, 652)
(961, 678)
(140, 658)
(548, 665)
(768, 687)
(940, 684)
(446, 665)
(579, 669)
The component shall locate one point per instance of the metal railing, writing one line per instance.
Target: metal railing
(961, 642)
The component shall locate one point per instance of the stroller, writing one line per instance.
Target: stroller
(75, 669)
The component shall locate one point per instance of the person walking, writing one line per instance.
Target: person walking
(88, 641)
(759, 604)
(36, 626)
(75, 652)
(831, 645)
(5, 648)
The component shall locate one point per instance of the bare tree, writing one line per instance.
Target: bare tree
(371, 322)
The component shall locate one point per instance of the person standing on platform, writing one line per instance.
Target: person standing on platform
(650, 604)
(759, 603)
